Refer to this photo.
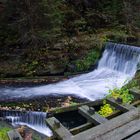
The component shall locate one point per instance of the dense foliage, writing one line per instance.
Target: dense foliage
(36, 33)
(122, 95)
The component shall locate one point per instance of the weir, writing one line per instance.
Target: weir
(122, 58)
(117, 67)
(34, 120)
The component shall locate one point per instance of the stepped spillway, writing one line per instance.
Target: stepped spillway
(34, 120)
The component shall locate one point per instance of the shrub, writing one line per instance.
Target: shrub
(117, 93)
(122, 93)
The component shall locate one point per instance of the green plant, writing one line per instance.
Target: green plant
(87, 61)
(116, 93)
(106, 110)
(131, 84)
(73, 103)
(3, 133)
(122, 93)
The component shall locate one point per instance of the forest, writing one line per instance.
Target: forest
(69, 69)
(61, 37)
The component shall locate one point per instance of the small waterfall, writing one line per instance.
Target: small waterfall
(34, 120)
(117, 66)
(121, 58)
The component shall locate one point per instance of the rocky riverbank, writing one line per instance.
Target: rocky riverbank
(79, 54)
(41, 103)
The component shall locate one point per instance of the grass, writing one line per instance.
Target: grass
(4, 128)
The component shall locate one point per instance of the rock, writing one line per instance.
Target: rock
(42, 72)
(14, 135)
(56, 69)
(132, 39)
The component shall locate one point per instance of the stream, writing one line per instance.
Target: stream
(116, 68)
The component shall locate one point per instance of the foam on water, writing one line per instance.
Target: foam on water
(34, 120)
(117, 66)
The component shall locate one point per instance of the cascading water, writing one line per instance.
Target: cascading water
(34, 120)
(117, 66)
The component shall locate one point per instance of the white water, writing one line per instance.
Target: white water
(34, 120)
(117, 66)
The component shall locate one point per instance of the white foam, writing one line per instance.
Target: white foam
(117, 66)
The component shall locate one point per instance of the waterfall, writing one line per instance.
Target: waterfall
(34, 120)
(121, 58)
(117, 66)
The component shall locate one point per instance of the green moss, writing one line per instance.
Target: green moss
(87, 61)
(3, 133)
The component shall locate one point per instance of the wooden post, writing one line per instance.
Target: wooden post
(119, 106)
(110, 125)
(58, 129)
(135, 92)
(14, 135)
(91, 115)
